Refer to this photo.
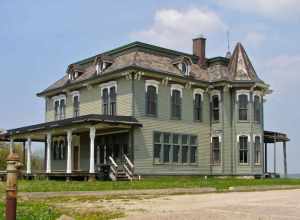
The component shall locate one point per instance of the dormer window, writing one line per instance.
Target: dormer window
(102, 63)
(74, 71)
(183, 64)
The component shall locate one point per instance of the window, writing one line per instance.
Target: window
(215, 108)
(176, 104)
(59, 149)
(109, 98)
(76, 105)
(56, 110)
(216, 150)
(113, 100)
(151, 101)
(105, 101)
(198, 107)
(257, 108)
(243, 107)
(62, 109)
(257, 149)
(175, 148)
(243, 152)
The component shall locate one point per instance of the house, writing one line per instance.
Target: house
(148, 110)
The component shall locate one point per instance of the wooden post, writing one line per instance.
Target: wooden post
(274, 155)
(13, 166)
(284, 159)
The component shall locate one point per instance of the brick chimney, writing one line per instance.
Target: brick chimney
(199, 45)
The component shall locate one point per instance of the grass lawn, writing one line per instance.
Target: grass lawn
(148, 183)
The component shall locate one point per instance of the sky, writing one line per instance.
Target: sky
(38, 39)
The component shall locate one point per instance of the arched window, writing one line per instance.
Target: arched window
(198, 107)
(151, 101)
(176, 104)
(257, 108)
(243, 107)
(112, 100)
(215, 108)
(257, 150)
(243, 149)
(105, 101)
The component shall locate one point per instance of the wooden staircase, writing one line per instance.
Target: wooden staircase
(124, 172)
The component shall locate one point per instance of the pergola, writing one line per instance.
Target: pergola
(271, 137)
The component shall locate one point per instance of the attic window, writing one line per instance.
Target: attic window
(74, 71)
(183, 64)
(74, 75)
(101, 66)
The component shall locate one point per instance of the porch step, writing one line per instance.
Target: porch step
(121, 175)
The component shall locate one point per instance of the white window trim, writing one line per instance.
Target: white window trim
(260, 142)
(257, 93)
(151, 82)
(243, 92)
(239, 135)
(74, 94)
(108, 85)
(199, 92)
(257, 135)
(215, 92)
(216, 135)
(59, 98)
(188, 68)
(177, 87)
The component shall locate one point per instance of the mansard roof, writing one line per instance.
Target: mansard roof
(158, 59)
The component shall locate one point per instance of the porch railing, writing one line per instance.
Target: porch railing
(113, 169)
(128, 167)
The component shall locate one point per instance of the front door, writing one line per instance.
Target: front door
(75, 158)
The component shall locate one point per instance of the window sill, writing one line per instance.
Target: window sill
(243, 121)
(243, 164)
(257, 164)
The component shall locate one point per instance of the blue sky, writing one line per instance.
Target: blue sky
(38, 39)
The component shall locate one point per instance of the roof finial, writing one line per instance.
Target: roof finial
(228, 53)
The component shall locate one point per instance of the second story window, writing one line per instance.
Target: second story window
(257, 109)
(215, 144)
(151, 101)
(59, 103)
(243, 107)
(109, 98)
(56, 110)
(113, 100)
(215, 108)
(176, 95)
(243, 149)
(76, 105)
(198, 107)
(105, 101)
(62, 109)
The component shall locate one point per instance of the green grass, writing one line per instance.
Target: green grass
(149, 183)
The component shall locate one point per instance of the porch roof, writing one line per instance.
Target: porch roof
(92, 119)
(272, 137)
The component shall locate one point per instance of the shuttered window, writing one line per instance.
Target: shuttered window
(198, 107)
(151, 101)
(176, 104)
(243, 107)
(243, 151)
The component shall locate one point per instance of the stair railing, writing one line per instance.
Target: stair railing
(113, 169)
(128, 167)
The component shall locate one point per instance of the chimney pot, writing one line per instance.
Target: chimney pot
(199, 47)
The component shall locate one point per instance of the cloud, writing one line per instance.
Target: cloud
(283, 73)
(254, 38)
(279, 9)
(175, 28)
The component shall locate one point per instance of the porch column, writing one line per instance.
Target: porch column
(104, 154)
(275, 156)
(266, 157)
(48, 160)
(11, 146)
(284, 159)
(28, 171)
(92, 149)
(69, 151)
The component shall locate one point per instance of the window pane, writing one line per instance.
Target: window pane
(175, 153)
(112, 97)
(184, 154)
(215, 150)
(175, 138)
(105, 101)
(166, 138)
(193, 154)
(157, 137)
(176, 104)
(166, 153)
(243, 107)
(151, 100)
(215, 107)
(243, 149)
(198, 107)
(193, 140)
(184, 139)
(157, 150)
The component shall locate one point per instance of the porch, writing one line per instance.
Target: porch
(80, 148)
